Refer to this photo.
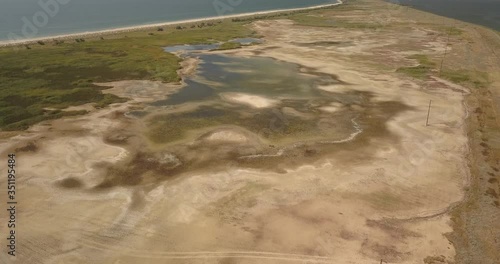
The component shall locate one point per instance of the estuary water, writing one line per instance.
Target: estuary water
(41, 18)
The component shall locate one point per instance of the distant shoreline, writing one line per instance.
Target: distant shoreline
(465, 11)
(99, 33)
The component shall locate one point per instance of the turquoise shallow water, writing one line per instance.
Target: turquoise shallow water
(74, 16)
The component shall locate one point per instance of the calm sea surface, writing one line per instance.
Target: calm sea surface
(31, 19)
(481, 12)
(28, 19)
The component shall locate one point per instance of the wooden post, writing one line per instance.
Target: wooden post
(428, 113)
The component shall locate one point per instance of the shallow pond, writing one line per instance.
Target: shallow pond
(254, 112)
(299, 109)
(253, 75)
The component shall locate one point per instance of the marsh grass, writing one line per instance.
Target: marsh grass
(475, 79)
(422, 70)
(326, 17)
(229, 46)
(317, 20)
(426, 67)
(58, 75)
(173, 127)
(452, 31)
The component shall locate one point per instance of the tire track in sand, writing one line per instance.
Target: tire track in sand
(87, 243)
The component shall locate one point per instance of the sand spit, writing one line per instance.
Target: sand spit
(153, 26)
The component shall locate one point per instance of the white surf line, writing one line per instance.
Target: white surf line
(104, 32)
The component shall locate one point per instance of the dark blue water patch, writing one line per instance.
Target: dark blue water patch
(481, 12)
(247, 41)
(193, 91)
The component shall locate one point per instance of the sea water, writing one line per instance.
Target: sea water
(41, 18)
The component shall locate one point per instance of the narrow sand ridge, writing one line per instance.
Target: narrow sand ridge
(153, 26)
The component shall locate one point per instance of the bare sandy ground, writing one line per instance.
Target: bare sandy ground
(249, 99)
(376, 198)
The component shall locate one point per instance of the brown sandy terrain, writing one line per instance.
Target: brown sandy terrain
(398, 191)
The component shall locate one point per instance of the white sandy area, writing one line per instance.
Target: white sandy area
(335, 88)
(332, 108)
(249, 99)
(228, 136)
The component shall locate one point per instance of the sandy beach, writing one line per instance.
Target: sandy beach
(112, 31)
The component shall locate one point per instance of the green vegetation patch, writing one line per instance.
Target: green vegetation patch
(229, 45)
(61, 74)
(172, 127)
(420, 71)
(475, 79)
(320, 20)
(313, 20)
(452, 31)
(325, 17)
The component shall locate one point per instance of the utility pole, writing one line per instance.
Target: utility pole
(428, 113)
